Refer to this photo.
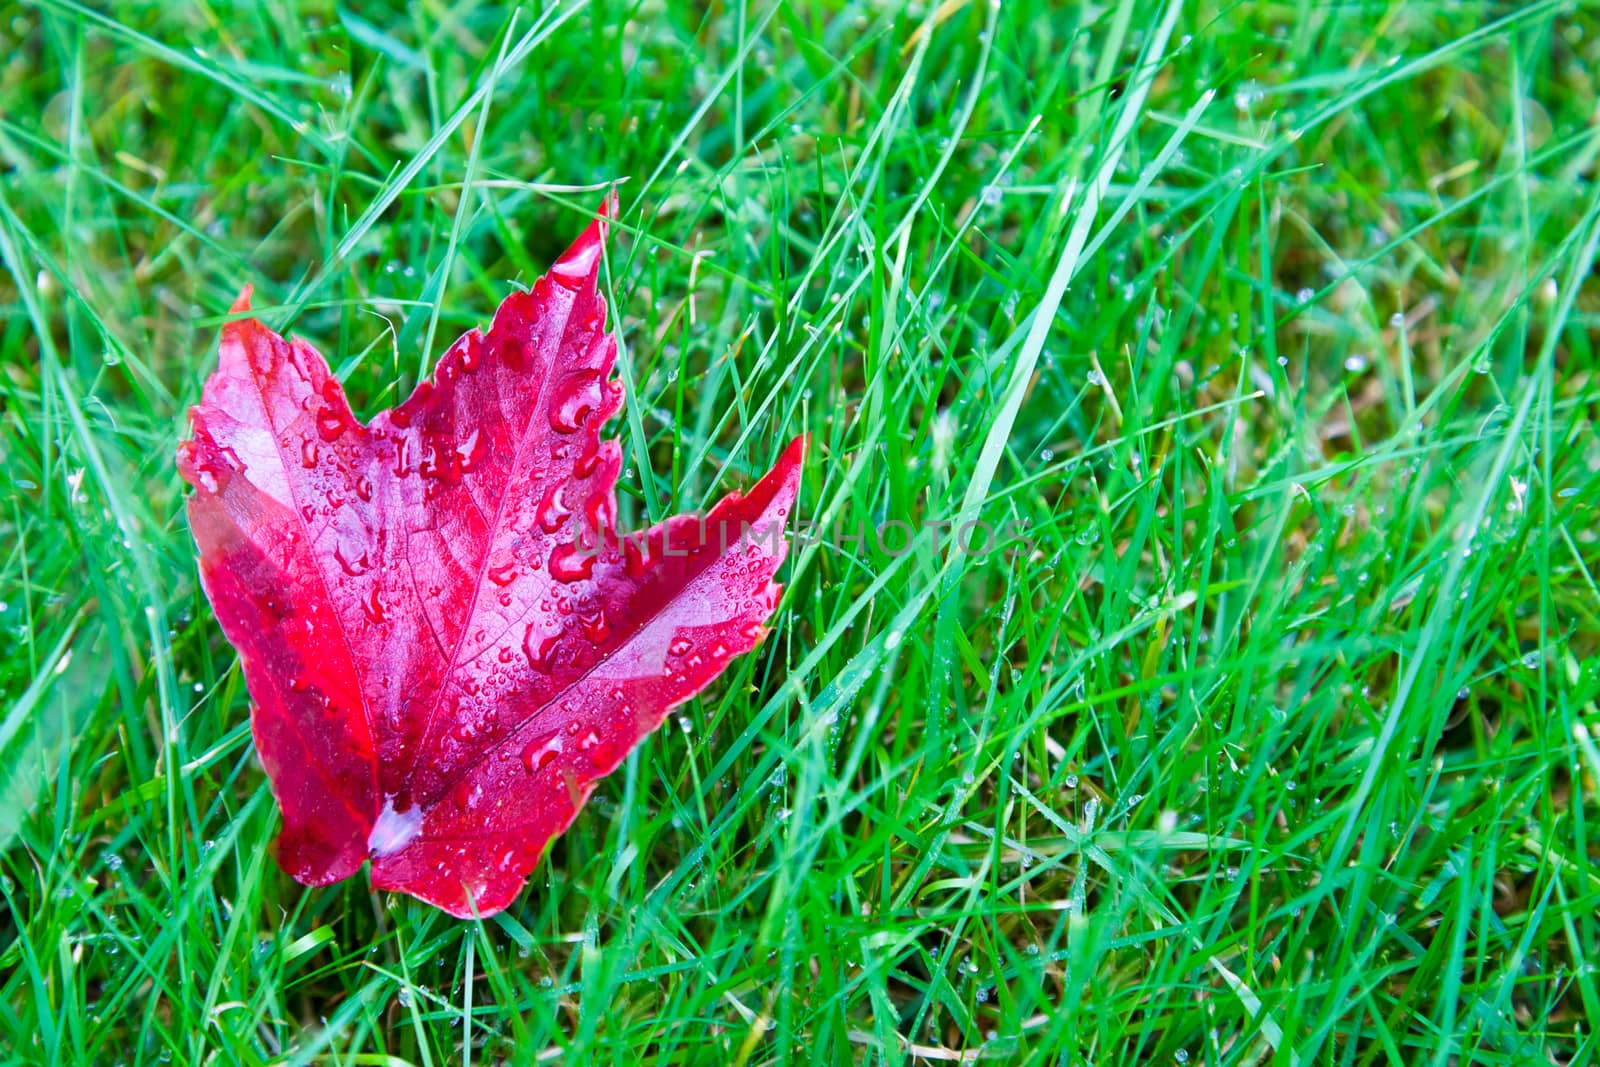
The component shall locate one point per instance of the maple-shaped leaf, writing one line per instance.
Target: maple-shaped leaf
(446, 641)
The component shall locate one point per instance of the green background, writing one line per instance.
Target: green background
(1275, 323)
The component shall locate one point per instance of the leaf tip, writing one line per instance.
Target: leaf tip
(579, 265)
(787, 470)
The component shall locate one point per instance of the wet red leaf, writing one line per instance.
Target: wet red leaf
(446, 641)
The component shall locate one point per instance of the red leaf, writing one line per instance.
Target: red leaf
(446, 644)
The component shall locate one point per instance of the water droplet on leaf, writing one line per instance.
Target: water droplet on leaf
(569, 563)
(576, 398)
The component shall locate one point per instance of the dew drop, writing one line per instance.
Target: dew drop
(553, 510)
(574, 268)
(541, 752)
(330, 424)
(539, 648)
(437, 464)
(363, 487)
(372, 607)
(587, 461)
(576, 398)
(470, 450)
(569, 563)
(503, 575)
(679, 647)
(355, 568)
(595, 627)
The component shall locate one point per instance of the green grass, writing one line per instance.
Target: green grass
(1274, 738)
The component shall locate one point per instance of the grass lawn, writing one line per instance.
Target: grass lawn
(1263, 336)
